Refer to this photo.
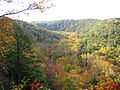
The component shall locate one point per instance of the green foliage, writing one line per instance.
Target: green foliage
(66, 56)
(99, 38)
(69, 84)
(93, 80)
(68, 67)
(18, 59)
(68, 25)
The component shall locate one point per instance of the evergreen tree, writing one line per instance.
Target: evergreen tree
(19, 58)
(93, 80)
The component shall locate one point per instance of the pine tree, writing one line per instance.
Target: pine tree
(19, 58)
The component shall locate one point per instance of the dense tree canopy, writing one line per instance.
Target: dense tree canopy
(60, 55)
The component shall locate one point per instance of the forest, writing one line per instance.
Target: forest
(60, 55)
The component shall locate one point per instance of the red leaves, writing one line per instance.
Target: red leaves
(34, 81)
(34, 85)
(112, 85)
(39, 85)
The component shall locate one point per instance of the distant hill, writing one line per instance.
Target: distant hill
(68, 25)
(94, 34)
(41, 34)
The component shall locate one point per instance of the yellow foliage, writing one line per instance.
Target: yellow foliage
(6, 34)
(73, 73)
(104, 50)
(100, 88)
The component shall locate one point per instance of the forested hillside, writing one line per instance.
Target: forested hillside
(69, 25)
(60, 55)
(94, 34)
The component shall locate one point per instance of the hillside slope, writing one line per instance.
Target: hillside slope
(68, 25)
(61, 55)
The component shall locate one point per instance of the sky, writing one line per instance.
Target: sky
(69, 9)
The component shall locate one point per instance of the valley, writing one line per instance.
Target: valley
(60, 55)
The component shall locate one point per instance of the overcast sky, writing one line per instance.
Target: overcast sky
(72, 9)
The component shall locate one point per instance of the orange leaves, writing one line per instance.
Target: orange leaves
(102, 63)
(51, 69)
(55, 68)
(86, 76)
(46, 58)
(112, 86)
(5, 23)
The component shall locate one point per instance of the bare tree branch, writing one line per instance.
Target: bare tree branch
(35, 5)
(11, 13)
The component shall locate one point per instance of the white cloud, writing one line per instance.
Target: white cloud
(77, 9)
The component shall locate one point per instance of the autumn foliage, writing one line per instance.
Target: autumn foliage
(33, 58)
